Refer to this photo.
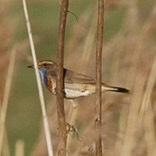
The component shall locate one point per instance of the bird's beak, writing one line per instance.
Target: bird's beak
(30, 66)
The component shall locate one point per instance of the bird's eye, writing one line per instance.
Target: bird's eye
(45, 65)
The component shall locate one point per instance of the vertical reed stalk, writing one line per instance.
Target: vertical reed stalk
(6, 147)
(99, 46)
(7, 88)
(19, 148)
(40, 90)
(60, 79)
(72, 118)
(146, 113)
(148, 91)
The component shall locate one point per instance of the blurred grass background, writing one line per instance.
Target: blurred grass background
(24, 106)
(24, 114)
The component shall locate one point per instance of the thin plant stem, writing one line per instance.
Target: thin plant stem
(72, 118)
(148, 90)
(6, 149)
(99, 47)
(40, 90)
(149, 127)
(19, 148)
(146, 113)
(6, 97)
(60, 79)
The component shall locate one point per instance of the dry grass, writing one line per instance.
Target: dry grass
(5, 83)
(5, 38)
(19, 148)
(7, 89)
(128, 123)
(128, 60)
(38, 80)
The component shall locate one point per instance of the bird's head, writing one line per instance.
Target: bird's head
(45, 64)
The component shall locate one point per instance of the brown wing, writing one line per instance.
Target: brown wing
(73, 77)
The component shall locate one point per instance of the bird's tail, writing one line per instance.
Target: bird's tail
(114, 89)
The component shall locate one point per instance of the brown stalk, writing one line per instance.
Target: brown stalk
(60, 83)
(99, 46)
(5, 102)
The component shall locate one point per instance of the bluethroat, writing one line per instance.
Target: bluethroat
(75, 84)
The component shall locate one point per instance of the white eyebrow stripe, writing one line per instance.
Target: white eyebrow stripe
(42, 62)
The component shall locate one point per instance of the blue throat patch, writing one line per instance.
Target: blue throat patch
(43, 75)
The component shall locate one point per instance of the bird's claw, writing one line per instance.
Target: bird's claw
(71, 129)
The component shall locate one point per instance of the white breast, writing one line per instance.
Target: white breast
(76, 93)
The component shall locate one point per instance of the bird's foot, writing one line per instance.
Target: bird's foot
(70, 129)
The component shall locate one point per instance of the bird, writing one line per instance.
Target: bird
(75, 84)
